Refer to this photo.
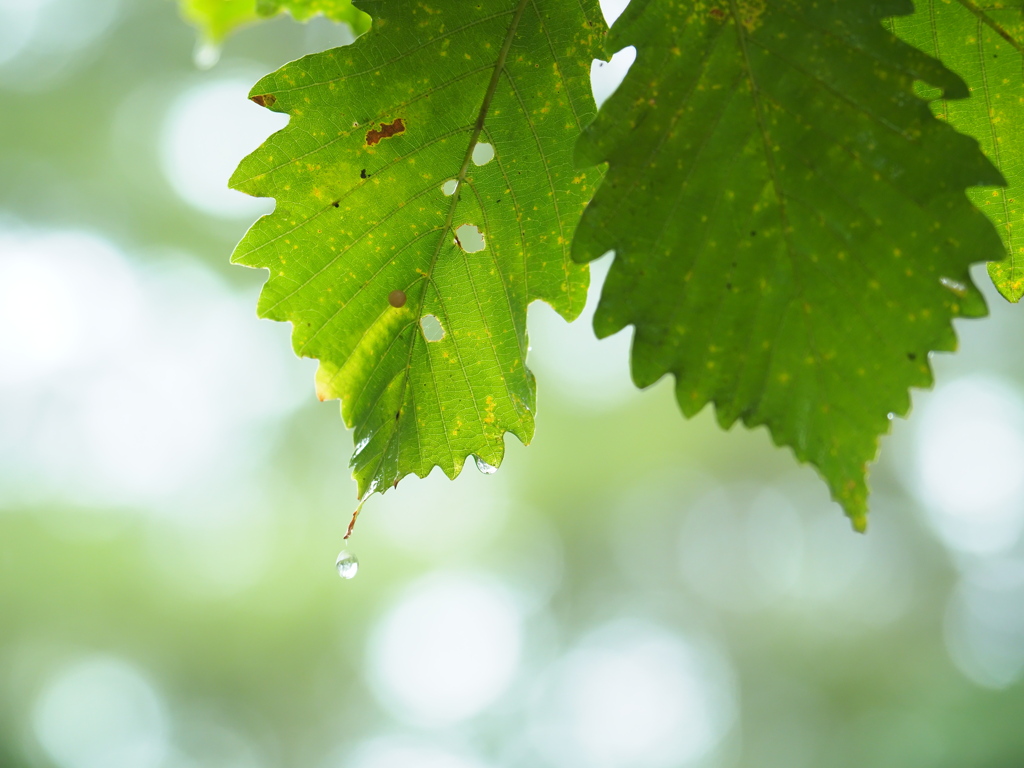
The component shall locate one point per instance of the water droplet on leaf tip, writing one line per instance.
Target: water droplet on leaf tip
(206, 55)
(484, 467)
(347, 564)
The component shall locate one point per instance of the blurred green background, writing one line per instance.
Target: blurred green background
(632, 590)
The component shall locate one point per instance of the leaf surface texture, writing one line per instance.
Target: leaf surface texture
(791, 231)
(419, 323)
(984, 44)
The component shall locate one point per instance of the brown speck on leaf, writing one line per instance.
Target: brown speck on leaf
(363, 174)
(397, 299)
(387, 130)
(264, 99)
(336, 203)
(717, 13)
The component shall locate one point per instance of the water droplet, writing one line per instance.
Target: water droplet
(206, 55)
(347, 564)
(484, 467)
(954, 285)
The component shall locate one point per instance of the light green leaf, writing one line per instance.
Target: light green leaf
(371, 260)
(984, 44)
(216, 19)
(791, 232)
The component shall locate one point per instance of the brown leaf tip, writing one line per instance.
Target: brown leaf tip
(264, 99)
(387, 130)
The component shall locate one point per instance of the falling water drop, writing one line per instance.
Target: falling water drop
(347, 564)
(484, 467)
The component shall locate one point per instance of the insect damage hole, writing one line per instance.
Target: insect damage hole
(470, 239)
(432, 328)
(483, 153)
(449, 187)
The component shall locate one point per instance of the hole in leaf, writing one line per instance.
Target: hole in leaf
(449, 187)
(605, 77)
(483, 153)
(432, 328)
(470, 239)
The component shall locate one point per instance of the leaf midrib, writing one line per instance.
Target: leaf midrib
(983, 16)
(492, 88)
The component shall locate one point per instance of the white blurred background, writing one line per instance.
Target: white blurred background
(634, 590)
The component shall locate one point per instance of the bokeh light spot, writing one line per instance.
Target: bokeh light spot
(101, 713)
(446, 650)
(209, 129)
(635, 695)
(969, 459)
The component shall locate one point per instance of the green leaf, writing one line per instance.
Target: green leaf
(216, 19)
(791, 232)
(985, 46)
(364, 246)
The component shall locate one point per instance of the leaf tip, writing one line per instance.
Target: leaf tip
(1009, 284)
(859, 521)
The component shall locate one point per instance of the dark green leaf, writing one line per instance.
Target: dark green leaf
(791, 232)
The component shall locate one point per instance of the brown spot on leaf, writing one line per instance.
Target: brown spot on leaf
(363, 174)
(397, 299)
(264, 99)
(387, 130)
(717, 13)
